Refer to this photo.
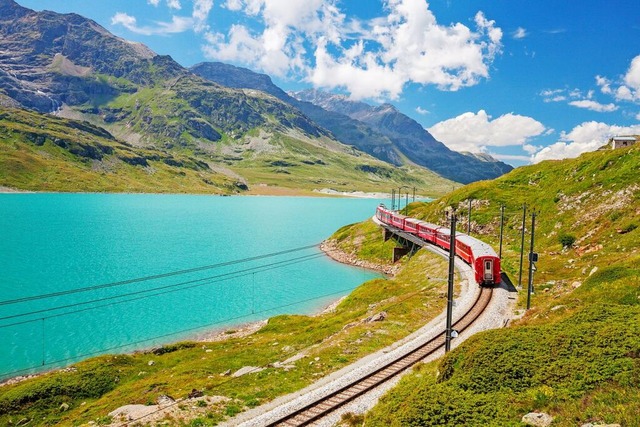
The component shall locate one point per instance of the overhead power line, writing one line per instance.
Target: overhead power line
(165, 290)
(157, 276)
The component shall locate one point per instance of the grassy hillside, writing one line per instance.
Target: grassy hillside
(48, 153)
(576, 353)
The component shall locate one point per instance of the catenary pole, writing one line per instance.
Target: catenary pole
(530, 285)
(501, 228)
(452, 257)
(524, 219)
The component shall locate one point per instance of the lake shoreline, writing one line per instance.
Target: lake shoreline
(267, 191)
(241, 330)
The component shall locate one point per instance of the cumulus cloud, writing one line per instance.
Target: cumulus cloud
(476, 132)
(626, 88)
(177, 25)
(369, 59)
(588, 136)
(421, 111)
(594, 106)
(197, 22)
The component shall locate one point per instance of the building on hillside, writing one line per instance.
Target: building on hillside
(623, 141)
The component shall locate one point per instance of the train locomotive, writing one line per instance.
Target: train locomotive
(479, 255)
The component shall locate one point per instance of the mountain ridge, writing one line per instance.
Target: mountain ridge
(382, 131)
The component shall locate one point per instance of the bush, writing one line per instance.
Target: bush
(566, 240)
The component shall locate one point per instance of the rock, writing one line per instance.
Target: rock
(246, 370)
(377, 317)
(64, 407)
(151, 363)
(537, 419)
(593, 270)
(164, 400)
(226, 373)
(576, 284)
(195, 393)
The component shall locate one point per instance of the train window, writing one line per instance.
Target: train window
(488, 267)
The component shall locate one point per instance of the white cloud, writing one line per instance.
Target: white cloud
(509, 157)
(594, 106)
(632, 78)
(519, 33)
(200, 14)
(604, 84)
(638, 116)
(177, 25)
(369, 59)
(421, 111)
(287, 26)
(588, 136)
(475, 132)
(626, 88)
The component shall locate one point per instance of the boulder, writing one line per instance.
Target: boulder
(537, 419)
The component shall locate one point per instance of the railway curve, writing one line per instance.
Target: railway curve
(321, 403)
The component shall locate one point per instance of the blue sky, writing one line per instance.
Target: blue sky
(522, 80)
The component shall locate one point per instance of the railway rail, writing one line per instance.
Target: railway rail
(327, 404)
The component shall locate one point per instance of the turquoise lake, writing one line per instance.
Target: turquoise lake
(154, 269)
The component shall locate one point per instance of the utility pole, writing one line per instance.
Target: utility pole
(452, 258)
(469, 219)
(414, 194)
(406, 201)
(393, 199)
(501, 229)
(524, 219)
(533, 257)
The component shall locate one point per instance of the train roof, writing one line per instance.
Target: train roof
(479, 247)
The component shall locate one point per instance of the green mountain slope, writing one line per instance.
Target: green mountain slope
(40, 152)
(46, 153)
(576, 354)
(71, 66)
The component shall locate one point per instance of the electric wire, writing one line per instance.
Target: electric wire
(182, 331)
(153, 277)
(193, 284)
(258, 368)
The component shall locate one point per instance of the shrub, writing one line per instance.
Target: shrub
(566, 240)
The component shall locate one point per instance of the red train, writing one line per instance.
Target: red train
(480, 256)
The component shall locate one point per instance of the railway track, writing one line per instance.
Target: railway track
(327, 404)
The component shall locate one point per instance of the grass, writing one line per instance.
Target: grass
(576, 353)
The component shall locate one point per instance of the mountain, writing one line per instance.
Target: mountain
(72, 67)
(410, 138)
(381, 131)
(342, 127)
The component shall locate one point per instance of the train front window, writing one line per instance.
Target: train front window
(488, 270)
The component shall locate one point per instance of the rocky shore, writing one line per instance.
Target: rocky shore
(330, 247)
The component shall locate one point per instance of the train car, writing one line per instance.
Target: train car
(463, 248)
(428, 231)
(397, 220)
(443, 238)
(411, 225)
(383, 214)
(483, 259)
